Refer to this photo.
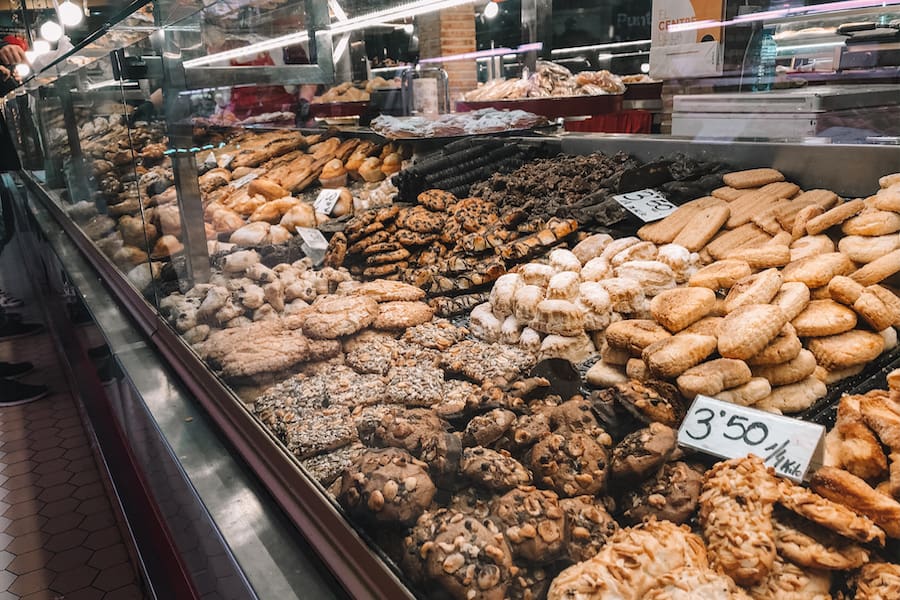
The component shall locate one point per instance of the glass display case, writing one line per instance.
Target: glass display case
(424, 311)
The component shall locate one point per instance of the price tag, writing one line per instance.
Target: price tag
(647, 205)
(729, 430)
(326, 200)
(313, 238)
(242, 181)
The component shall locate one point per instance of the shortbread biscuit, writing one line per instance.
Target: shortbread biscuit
(702, 228)
(673, 356)
(730, 194)
(824, 317)
(794, 397)
(810, 245)
(817, 271)
(879, 269)
(788, 372)
(705, 326)
(752, 178)
(848, 349)
(792, 298)
(782, 238)
(747, 394)
(781, 189)
(887, 201)
(712, 377)
(872, 222)
(863, 249)
(835, 216)
(820, 293)
(678, 308)
(663, 232)
(766, 220)
(786, 346)
(803, 217)
(633, 335)
(636, 368)
(823, 198)
(614, 356)
(745, 235)
(878, 306)
(743, 209)
(845, 290)
(889, 180)
(720, 275)
(831, 377)
(763, 257)
(402, 314)
(747, 330)
(755, 289)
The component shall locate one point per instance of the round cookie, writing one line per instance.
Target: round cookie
(648, 401)
(436, 200)
(391, 256)
(531, 582)
(572, 464)
(400, 314)
(486, 429)
(671, 496)
(382, 247)
(641, 452)
(377, 237)
(386, 270)
(334, 316)
(864, 249)
(589, 526)
(386, 486)
(413, 238)
(824, 317)
(493, 469)
(533, 523)
(786, 346)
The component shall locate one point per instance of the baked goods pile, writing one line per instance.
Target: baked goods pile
(549, 80)
(349, 92)
(443, 245)
(479, 122)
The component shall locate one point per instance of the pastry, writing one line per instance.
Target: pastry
(336, 316)
(752, 178)
(762, 257)
(817, 271)
(792, 298)
(790, 582)
(625, 294)
(487, 428)
(588, 524)
(715, 376)
(678, 308)
(794, 397)
(702, 228)
(672, 494)
(864, 249)
(848, 349)
(736, 505)
(688, 583)
(561, 317)
(591, 247)
(720, 275)
(873, 222)
(533, 523)
(438, 334)
(565, 260)
(642, 452)
(822, 318)
(878, 581)
(572, 464)
(483, 362)
(652, 275)
(835, 216)
(673, 356)
(809, 246)
(747, 394)
(786, 346)
(882, 417)
(746, 331)
(878, 270)
(705, 326)
(648, 401)
(370, 170)
(760, 288)
(386, 485)
(563, 286)
(792, 371)
(416, 385)
(836, 508)
(633, 335)
(402, 314)
(575, 349)
(493, 469)
(859, 451)
(809, 545)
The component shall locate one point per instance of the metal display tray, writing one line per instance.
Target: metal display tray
(799, 100)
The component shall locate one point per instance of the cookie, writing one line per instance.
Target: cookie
(878, 270)
(730, 194)
(809, 246)
(763, 257)
(438, 334)
(484, 363)
(382, 247)
(387, 257)
(492, 469)
(745, 235)
(418, 385)
(388, 291)
(401, 314)
(712, 377)
(633, 335)
(760, 288)
(666, 230)
(845, 350)
(671, 495)
(589, 526)
(331, 317)
(792, 298)
(824, 317)
(572, 464)
(862, 249)
(720, 275)
(436, 200)
(793, 397)
(804, 216)
(641, 453)
(648, 401)
(786, 346)
(702, 228)
(747, 330)
(781, 189)
(752, 178)
(744, 208)
(748, 394)
(788, 372)
(835, 216)
(337, 251)
(374, 357)
(673, 356)
(560, 317)
(678, 308)
(825, 199)
(364, 232)
(533, 523)
(487, 428)
(413, 238)
(817, 271)
(388, 486)
(420, 220)
(872, 222)
(377, 237)
(385, 270)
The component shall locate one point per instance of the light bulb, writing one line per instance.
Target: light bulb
(645, 67)
(51, 31)
(491, 10)
(22, 70)
(409, 28)
(70, 14)
(40, 47)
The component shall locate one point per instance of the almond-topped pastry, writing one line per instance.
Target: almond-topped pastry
(790, 582)
(809, 545)
(688, 583)
(878, 581)
(746, 331)
(843, 487)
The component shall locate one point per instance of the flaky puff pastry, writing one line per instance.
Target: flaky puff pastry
(631, 562)
(787, 581)
(859, 451)
(809, 545)
(830, 514)
(878, 581)
(736, 516)
(848, 489)
(693, 583)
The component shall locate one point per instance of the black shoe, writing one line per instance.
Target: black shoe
(13, 370)
(13, 393)
(16, 329)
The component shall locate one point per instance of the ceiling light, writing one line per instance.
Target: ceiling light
(491, 10)
(51, 31)
(70, 14)
(645, 67)
(409, 28)
(40, 47)
(22, 70)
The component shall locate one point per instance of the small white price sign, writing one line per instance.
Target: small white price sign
(728, 430)
(647, 205)
(313, 238)
(242, 181)
(326, 200)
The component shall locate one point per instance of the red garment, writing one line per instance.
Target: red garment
(16, 41)
(247, 101)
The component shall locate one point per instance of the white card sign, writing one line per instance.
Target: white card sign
(326, 200)
(728, 430)
(313, 238)
(242, 181)
(647, 205)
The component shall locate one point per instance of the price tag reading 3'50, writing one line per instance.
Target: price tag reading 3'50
(729, 431)
(647, 205)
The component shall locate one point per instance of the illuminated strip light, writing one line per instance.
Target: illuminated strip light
(484, 54)
(787, 48)
(599, 47)
(404, 11)
(772, 14)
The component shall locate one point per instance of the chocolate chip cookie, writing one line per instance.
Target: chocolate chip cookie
(386, 486)
(672, 496)
(493, 469)
(533, 522)
(487, 428)
(588, 524)
(573, 464)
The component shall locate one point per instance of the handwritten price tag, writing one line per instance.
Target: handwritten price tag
(647, 205)
(326, 200)
(242, 181)
(729, 430)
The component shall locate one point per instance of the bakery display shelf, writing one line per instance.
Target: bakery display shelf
(324, 110)
(552, 108)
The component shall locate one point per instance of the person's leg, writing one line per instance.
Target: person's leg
(7, 226)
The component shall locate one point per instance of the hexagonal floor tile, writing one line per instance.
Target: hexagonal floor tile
(66, 540)
(60, 507)
(71, 558)
(74, 579)
(30, 561)
(31, 582)
(58, 492)
(27, 524)
(114, 577)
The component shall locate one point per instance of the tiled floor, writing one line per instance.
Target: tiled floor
(59, 539)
